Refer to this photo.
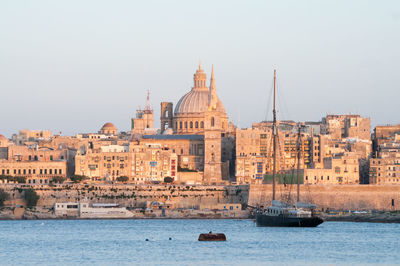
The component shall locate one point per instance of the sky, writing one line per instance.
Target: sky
(70, 66)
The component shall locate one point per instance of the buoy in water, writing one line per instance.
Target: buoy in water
(212, 237)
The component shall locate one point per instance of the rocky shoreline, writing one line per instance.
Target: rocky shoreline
(385, 217)
(46, 214)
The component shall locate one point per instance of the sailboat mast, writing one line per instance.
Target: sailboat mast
(274, 144)
(298, 163)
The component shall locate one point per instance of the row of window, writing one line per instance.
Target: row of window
(322, 178)
(39, 181)
(190, 124)
(109, 158)
(31, 171)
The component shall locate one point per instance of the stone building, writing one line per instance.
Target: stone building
(144, 121)
(139, 162)
(188, 116)
(26, 135)
(384, 134)
(201, 113)
(37, 164)
(347, 126)
(339, 169)
(254, 153)
(4, 142)
(385, 170)
(189, 149)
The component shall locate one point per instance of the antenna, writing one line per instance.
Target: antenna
(148, 108)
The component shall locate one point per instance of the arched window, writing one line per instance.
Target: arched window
(196, 124)
(180, 125)
(176, 125)
(212, 121)
(202, 124)
(186, 124)
(191, 124)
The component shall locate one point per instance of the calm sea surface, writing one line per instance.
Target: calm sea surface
(122, 242)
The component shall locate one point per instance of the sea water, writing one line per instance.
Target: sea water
(174, 242)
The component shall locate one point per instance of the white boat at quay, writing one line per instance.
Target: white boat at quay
(86, 210)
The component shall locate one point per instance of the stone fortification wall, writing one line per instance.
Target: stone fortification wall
(339, 197)
(176, 196)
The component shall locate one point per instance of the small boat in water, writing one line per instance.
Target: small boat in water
(212, 237)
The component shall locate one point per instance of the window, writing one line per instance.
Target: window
(180, 125)
(191, 124)
(196, 124)
(212, 121)
(186, 124)
(202, 124)
(51, 157)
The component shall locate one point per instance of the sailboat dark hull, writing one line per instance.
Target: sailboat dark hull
(282, 221)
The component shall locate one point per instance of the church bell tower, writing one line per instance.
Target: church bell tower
(212, 137)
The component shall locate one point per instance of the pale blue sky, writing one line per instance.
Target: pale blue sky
(71, 66)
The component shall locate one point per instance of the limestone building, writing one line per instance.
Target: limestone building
(37, 164)
(189, 113)
(347, 126)
(144, 121)
(339, 169)
(139, 162)
(26, 135)
(385, 170)
(201, 113)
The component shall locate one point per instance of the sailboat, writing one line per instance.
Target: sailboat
(281, 214)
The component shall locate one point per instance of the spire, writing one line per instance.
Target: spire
(212, 96)
(200, 64)
(212, 83)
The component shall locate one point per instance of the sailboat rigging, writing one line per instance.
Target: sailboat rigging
(282, 214)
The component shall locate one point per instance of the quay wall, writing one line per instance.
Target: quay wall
(338, 197)
(176, 196)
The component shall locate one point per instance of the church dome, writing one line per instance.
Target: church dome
(197, 100)
(108, 129)
(2, 137)
(108, 125)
